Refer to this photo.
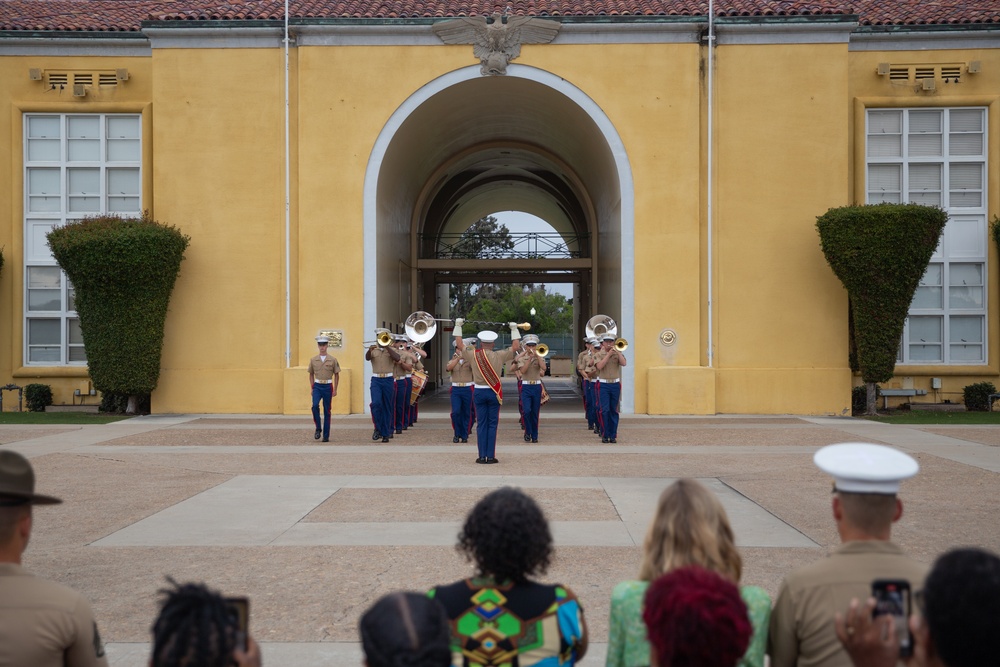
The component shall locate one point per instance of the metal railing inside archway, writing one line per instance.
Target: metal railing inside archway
(526, 245)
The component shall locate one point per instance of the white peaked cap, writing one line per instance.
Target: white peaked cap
(858, 467)
(487, 336)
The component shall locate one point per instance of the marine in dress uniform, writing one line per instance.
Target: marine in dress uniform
(866, 481)
(324, 378)
(587, 369)
(418, 365)
(608, 363)
(42, 623)
(532, 368)
(488, 393)
(402, 374)
(461, 393)
(383, 388)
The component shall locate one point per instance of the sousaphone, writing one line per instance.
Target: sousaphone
(600, 326)
(420, 326)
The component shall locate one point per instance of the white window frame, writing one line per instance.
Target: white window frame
(964, 243)
(70, 170)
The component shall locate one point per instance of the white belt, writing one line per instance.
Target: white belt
(482, 386)
(531, 381)
(323, 381)
(381, 375)
(408, 375)
(461, 384)
(611, 381)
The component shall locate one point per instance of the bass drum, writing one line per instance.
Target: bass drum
(419, 383)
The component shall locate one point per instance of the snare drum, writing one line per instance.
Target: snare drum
(419, 382)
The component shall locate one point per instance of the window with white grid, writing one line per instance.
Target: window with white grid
(75, 165)
(938, 157)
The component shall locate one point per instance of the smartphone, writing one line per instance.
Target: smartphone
(892, 597)
(239, 610)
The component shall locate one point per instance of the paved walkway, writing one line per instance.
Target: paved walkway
(313, 533)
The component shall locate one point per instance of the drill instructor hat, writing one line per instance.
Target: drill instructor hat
(17, 481)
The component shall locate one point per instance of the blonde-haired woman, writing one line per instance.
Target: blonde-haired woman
(690, 528)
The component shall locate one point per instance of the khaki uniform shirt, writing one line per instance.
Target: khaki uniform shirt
(461, 372)
(802, 632)
(581, 362)
(398, 371)
(529, 367)
(497, 359)
(612, 370)
(45, 624)
(324, 370)
(381, 361)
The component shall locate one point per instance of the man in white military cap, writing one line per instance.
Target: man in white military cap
(324, 378)
(487, 395)
(865, 505)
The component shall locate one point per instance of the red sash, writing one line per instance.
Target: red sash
(490, 375)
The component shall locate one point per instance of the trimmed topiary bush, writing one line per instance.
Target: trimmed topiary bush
(123, 270)
(37, 397)
(977, 396)
(879, 253)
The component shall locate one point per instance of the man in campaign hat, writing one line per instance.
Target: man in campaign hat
(324, 377)
(42, 623)
(487, 395)
(865, 505)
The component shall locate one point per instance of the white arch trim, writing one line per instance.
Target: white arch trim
(614, 142)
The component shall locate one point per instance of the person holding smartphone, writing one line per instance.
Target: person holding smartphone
(865, 505)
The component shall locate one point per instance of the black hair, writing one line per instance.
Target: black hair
(405, 630)
(195, 628)
(962, 607)
(507, 536)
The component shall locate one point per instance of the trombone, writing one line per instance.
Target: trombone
(384, 339)
(621, 344)
(542, 350)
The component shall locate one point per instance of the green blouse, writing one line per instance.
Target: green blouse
(627, 644)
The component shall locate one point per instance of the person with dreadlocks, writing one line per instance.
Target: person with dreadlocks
(405, 628)
(196, 628)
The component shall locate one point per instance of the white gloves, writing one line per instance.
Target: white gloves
(515, 333)
(457, 331)
(459, 321)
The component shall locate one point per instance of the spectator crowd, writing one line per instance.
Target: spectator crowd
(866, 604)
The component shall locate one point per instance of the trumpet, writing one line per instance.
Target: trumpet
(621, 344)
(384, 339)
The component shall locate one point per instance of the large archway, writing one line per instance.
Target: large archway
(465, 145)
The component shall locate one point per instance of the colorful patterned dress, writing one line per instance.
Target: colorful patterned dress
(627, 643)
(512, 625)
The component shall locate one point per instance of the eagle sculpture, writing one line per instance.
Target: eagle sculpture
(497, 40)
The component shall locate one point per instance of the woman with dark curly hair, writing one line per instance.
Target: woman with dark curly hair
(695, 618)
(499, 615)
(405, 630)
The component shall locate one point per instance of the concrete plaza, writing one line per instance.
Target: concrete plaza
(313, 533)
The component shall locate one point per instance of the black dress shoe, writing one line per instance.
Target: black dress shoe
(492, 460)
(385, 439)
(376, 435)
(480, 460)
(534, 440)
(527, 438)
(614, 441)
(317, 434)
(465, 439)
(597, 431)
(399, 431)
(604, 439)
(326, 439)
(455, 439)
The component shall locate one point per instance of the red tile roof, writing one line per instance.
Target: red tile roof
(127, 15)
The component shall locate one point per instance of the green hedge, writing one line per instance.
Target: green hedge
(37, 397)
(123, 270)
(880, 252)
(977, 396)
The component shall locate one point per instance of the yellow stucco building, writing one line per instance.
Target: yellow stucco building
(315, 160)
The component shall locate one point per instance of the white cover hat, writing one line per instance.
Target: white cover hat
(858, 467)
(487, 336)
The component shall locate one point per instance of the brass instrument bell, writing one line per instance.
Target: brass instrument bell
(600, 326)
(621, 344)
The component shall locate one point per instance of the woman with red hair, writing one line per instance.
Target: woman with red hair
(695, 618)
(690, 528)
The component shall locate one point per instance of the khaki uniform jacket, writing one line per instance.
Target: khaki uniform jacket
(324, 370)
(398, 372)
(45, 624)
(802, 632)
(497, 359)
(461, 371)
(530, 369)
(612, 370)
(381, 361)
